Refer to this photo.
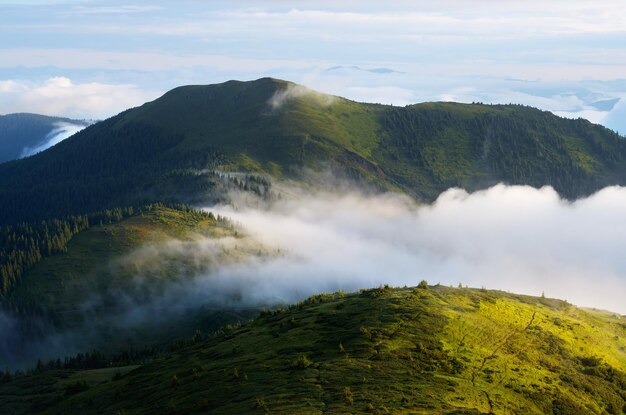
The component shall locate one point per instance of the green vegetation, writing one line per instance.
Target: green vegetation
(171, 149)
(98, 267)
(445, 144)
(94, 262)
(25, 244)
(435, 351)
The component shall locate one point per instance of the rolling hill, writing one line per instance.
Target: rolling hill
(24, 134)
(424, 350)
(168, 149)
(100, 287)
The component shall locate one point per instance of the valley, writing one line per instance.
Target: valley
(256, 247)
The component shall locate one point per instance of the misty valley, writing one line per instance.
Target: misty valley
(260, 247)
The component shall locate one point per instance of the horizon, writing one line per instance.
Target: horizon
(94, 59)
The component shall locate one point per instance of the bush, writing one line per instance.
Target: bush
(347, 395)
(302, 362)
(423, 285)
(590, 361)
(260, 403)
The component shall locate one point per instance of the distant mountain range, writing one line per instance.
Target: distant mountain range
(24, 134)
(155, 152)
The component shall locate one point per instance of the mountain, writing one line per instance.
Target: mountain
(26, 134)
(423, 350)
(99, 259)
(169, 149)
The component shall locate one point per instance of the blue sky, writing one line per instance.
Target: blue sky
(93, 59)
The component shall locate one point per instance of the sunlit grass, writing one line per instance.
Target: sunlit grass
(436, 350)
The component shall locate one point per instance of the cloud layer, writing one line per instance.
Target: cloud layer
(560, 56)
(59, 96)
(616, 118)
(518, 239)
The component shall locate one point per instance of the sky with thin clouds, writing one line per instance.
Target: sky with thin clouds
(93, 59)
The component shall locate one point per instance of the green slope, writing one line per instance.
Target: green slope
(166, 149)
(88, 296)
(61, 282)
(432, 351)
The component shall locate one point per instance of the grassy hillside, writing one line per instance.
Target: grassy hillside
(432, 350)
(61, 282)
(166, 150)
(90, 294)
(21, 131)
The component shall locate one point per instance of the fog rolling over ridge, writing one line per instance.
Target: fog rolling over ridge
(61, 131)
(513, 238)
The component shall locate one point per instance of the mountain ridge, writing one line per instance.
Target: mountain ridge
(277, 128)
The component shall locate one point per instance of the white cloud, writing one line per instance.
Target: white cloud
(515, 238)
(58, 96)
(616, 118)
(442, 21)
(111, 10)
(294, 92)
(595, 116)
(361, 23)
(450, 49)
(381, 94)
(61, 131)
(139, 61)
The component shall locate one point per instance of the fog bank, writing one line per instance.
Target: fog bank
(513, 238)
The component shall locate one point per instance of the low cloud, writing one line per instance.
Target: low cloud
(299, 92)
(518, 239)
(616, 118)
(512, 238)
(61, 131)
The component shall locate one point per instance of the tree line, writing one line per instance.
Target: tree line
(25, 244)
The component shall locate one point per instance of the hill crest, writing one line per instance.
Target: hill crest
(278, 128)
(405, 350)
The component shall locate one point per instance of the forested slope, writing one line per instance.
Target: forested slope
(95, 281)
